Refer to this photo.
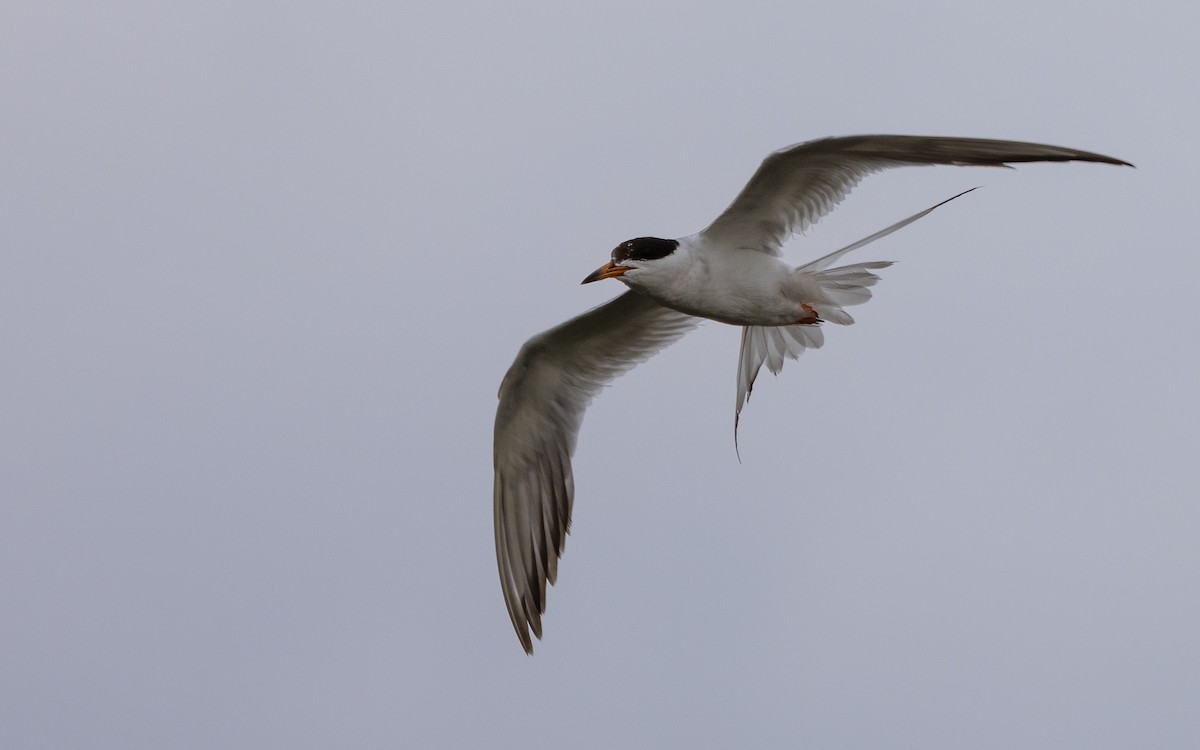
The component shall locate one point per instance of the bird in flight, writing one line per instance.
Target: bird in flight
(730, 272)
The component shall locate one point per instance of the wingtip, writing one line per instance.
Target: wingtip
(736, 450)
(526, 641)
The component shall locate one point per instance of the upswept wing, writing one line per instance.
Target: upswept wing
(795, 186)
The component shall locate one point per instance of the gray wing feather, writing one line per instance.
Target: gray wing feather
(542, 401)
(795, 186)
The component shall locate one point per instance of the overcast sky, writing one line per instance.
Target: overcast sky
(265, 264)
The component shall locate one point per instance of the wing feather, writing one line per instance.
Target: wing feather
(542, 401)
(796, 186)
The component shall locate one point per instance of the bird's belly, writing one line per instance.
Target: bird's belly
(737, 301)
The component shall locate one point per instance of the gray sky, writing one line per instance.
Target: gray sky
(265, 265)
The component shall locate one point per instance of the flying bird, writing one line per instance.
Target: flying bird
(731, 272)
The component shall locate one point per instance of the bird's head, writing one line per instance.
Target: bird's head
(636, 258)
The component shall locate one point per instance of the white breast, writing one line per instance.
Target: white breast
(741, 287)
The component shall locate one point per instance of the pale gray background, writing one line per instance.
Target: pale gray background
(264, 265)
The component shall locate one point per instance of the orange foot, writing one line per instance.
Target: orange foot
(809, 319)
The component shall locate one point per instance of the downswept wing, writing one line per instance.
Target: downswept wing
(542, 401)
(795, 186)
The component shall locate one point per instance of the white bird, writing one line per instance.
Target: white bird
(730, 272)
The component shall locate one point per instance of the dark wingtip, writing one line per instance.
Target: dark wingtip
(526, 641)
(1099, 159)
(736, 450)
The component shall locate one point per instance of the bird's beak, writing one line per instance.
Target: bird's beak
(609, 270)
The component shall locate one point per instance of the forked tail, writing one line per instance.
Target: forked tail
(832, 289)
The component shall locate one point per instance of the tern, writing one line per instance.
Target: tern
(730, 272)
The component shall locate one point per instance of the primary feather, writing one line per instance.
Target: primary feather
(542, 400)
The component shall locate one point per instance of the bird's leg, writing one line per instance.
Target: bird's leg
(810, 317)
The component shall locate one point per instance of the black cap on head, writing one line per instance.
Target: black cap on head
(643, 248)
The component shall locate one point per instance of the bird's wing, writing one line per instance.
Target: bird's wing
(795, 186)
(542, 400)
